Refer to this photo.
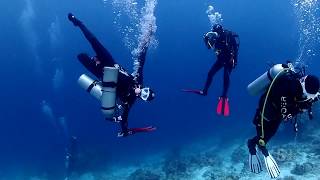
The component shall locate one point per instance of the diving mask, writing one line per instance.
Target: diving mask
(145, 93)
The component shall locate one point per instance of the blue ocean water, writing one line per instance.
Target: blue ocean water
(42, 104)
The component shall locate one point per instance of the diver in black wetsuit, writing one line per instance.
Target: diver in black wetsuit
(288, 96)
(226, 45)
(226, 48)
(129, 87)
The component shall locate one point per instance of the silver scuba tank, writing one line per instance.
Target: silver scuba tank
(259, 85)
(90, 86)
(109, 87)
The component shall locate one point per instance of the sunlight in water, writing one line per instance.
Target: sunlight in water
(308, 17)
(132, 22)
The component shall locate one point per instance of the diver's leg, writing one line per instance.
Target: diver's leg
(124, 126)
(252, 143)
(90, 65)
(102, 53)
(214, 69)
(124, 121)
(269, 130)
(226, 80)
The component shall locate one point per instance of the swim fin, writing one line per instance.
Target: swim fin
(144, 129)
(195, 91)
(223, 106)
(132, 131)
(271, 166)
(255, 163)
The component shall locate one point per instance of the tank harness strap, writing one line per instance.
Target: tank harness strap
(92, 85)
(109, 84)
(108, 108)
(261, 141)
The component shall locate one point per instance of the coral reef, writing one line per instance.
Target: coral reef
(239, 155)
(142, 174)
(284, 153)
(175, 168)
(301, 169)
(288, 178)
(208, 175)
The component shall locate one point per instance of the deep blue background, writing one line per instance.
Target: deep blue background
(268, 33)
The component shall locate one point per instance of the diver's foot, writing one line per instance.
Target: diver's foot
(74, 20)
(203, 93)
(124, 134)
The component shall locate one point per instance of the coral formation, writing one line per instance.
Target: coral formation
(301, 169)
(208, 175)
(140, 174)
(288, 178)
(284, 153)
(239, 155)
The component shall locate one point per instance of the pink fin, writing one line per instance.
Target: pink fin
(144, 129)
(219, 107)
(226, 111)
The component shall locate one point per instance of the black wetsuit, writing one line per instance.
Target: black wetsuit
(281, 106)
(126, 82)
(226, 48)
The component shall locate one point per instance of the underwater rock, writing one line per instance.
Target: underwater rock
(228, 177)
(288, 178)
(142, 174)
(284, 154)
(202, 160)
(317, 152)
(232, 177)
(175, 168)
(301, 169)
(208, 175)
(239, 155)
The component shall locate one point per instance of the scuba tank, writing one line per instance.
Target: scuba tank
(109, 88)
(105, 91)
(261, 83)
(90, 85)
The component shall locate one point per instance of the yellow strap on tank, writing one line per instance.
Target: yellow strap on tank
(261, 141)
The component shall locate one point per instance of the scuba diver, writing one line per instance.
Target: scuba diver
(225, 44)
(121, 88)
(285, 94)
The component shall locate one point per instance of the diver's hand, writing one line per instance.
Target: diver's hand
(73, 19)
(206, 41)
(288, 117)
